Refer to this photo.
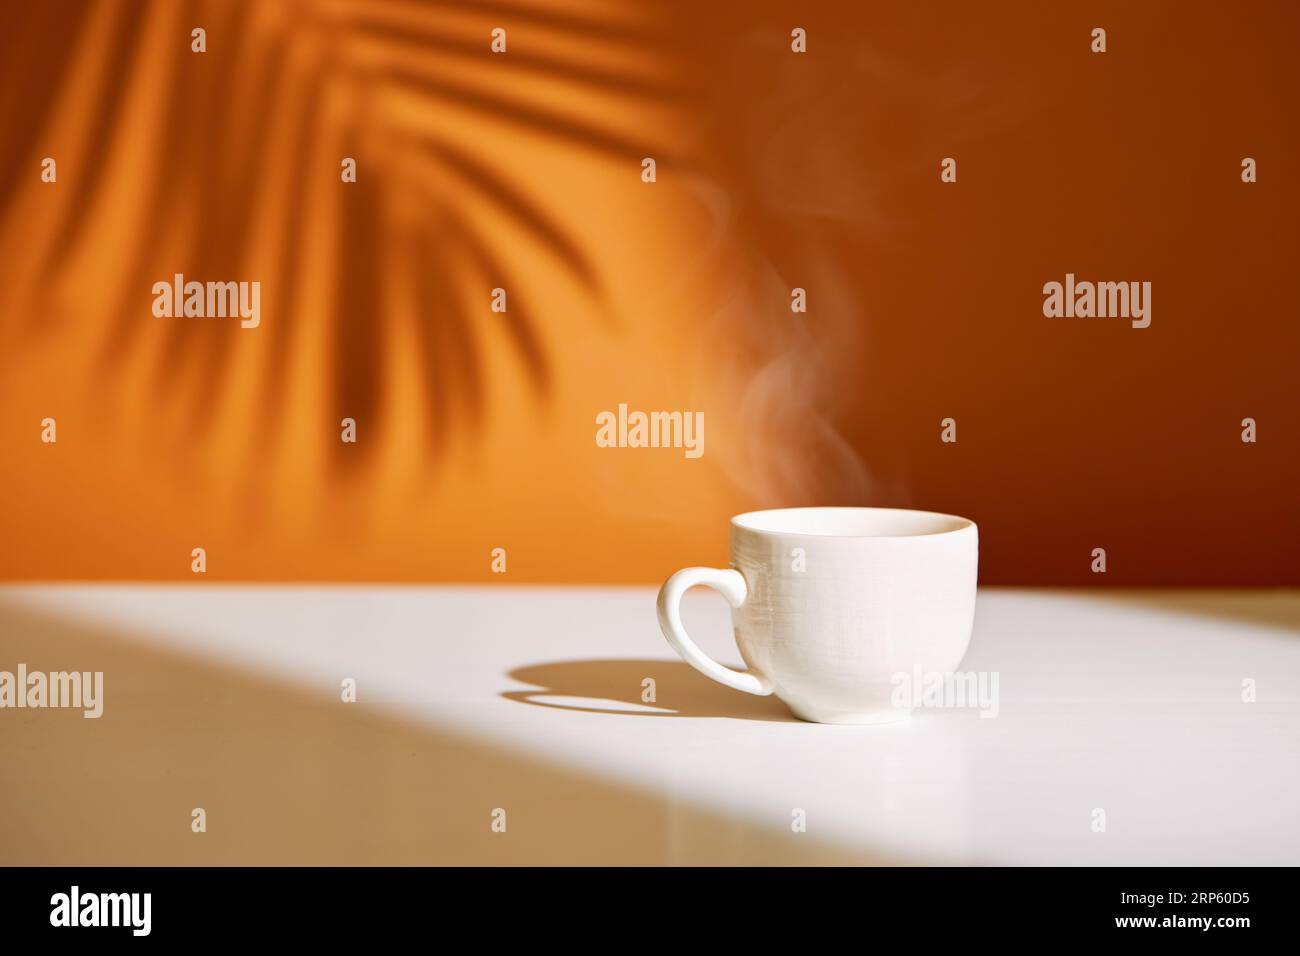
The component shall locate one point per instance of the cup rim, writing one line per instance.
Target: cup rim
(751, 521)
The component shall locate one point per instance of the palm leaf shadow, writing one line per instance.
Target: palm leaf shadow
(237, 131)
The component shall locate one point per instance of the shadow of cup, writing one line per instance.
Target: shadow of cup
(639, 688)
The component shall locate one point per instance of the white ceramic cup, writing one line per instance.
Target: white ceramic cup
(831, 605)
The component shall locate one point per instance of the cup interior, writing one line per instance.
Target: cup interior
(850, 522)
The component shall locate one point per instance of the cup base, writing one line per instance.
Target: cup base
(817, 715)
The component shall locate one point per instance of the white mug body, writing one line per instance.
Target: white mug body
(838, 605)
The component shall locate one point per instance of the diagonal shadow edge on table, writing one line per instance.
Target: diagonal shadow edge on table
(289, 777)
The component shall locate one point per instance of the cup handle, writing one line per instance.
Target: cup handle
(731, 584)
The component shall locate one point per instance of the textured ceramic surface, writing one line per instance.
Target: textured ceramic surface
(831, 604)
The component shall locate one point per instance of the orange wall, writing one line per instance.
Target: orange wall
(476, 429)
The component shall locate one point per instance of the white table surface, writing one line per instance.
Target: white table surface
(1128, 701)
